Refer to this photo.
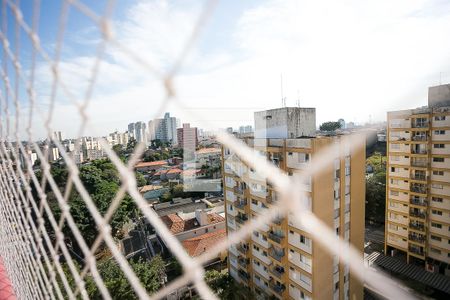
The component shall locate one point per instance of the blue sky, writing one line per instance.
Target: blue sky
(348, 59)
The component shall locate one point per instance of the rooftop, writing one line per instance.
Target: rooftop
(208, 150)
(200, 244)
(147, 188)
(176, 224)
(144, 164)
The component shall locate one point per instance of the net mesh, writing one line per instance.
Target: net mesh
(32, 241)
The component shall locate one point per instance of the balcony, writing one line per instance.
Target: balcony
(419, 151)
(420, 138)
(418, 176)
(276, 254)
(417, 226)
(243, 249)
(416, 250)
(278, 220)
(418, 238)
(417, 213)
(420, 124)
(238, 190)
(276, 237)
(243, 262)
(420, 201)
(421, 189)
(243, 275)
(277, 271)
(240, 204)
(241, 219)
(419, 163)
(277, 288)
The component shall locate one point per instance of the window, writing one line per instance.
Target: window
(394, 193)
(393, 169)
(439, 146)
(436, 238)
(440, 173)
(434, 250)
(290, 153)
(439, 132)
(436, 225)
(437, 199)
(255, 202)
(439, 118)
(438, 159)
(436, 212)
(437, 186)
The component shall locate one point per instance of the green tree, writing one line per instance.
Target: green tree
(330, 126)
(140, 179)
(376, 189)
(226, 287)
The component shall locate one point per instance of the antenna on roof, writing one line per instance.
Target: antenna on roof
(283, 99)
(298, 98)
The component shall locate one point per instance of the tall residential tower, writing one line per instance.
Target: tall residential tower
(282, 260)
(418, 183)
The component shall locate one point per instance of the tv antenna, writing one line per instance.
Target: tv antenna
(283, 99)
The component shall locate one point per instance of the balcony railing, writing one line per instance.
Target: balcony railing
(417, 214)
(241, 219)
(418, 201)
(420, 125)
(418, 251)
(419, 163)
(419, 151)
(417, 226)
(277, 271)
(276, 237)
(421, 177)
(238, 190)
(277, 288)
(419, 138)
(241, 248)
(241, 204)
(417, 238)
(243, 262)
(418, 189)
(243, 275)
(278, 255)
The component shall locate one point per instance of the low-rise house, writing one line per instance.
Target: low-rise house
(152, 191)
(150, 166)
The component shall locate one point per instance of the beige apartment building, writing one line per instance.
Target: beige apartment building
(282, 260)
(418, 183)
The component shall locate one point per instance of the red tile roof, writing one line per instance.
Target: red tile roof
(177, 225)
(143, 164)
(202, 243)
(208, 150)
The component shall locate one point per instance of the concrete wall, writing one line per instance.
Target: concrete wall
(439, 96)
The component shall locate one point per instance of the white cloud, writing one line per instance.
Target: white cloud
(348, 59)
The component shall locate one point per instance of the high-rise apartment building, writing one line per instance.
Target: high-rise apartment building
(187, 139)
(164, 129)
(418, 183)
(282, 260)
(140, 132)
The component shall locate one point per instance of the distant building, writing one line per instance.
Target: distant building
(150, 166)
(188, 140)
(245, 129)
(285, 122)
(140, 133)
(117, 138)
(164, 129)
(58, 136)
(150, 192)
(131, 130)
(208, 156)
(91, 148)
(342, 123)
(229, 129)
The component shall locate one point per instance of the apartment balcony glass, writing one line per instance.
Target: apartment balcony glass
(418, 188)
(416, 237)
(244, 275)
(277, 287)
(277, 271)
(241, 219)
(420, 137)
(276, 236)
(416, 250)
(243, 262)
(417, 225)
(419, 149)
(241, 204)
(242, 248)
(416, 200)
(418, 213)
(419, 175)
(420, 123)
(277, 254)
(238, 190)
(419, 162)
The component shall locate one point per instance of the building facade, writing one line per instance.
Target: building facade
(187, 139)
(418, 183)
(164, 129)
(282, 260)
